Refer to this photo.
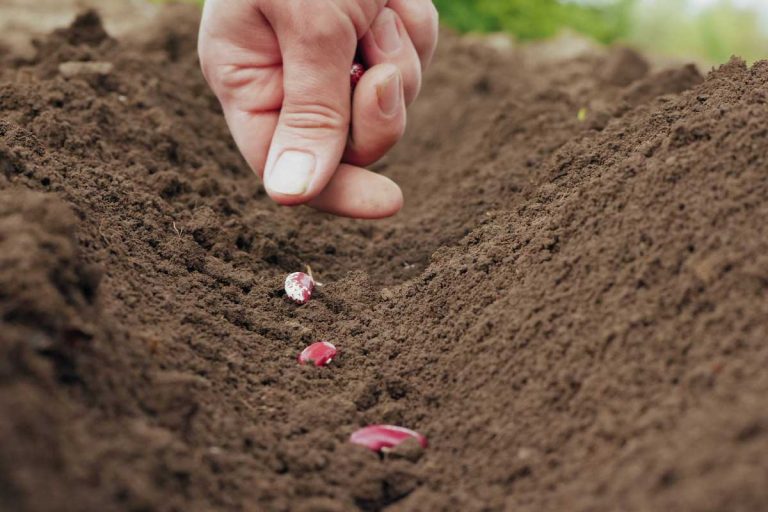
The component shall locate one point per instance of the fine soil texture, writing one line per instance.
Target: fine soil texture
(572, 307)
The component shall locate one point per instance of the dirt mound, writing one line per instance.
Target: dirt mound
(572, 306)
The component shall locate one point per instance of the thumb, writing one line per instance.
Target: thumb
(312, 130)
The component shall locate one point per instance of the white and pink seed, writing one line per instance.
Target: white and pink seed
(299, 287)
(355, 74)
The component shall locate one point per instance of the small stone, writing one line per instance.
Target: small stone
(74, 69)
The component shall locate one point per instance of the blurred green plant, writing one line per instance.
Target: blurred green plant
(667, 27)
(536, 19)
(713, 33)
(670, 27)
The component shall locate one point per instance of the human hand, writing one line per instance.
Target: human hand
(281, 70)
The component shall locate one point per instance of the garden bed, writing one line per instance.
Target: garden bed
(572, 307)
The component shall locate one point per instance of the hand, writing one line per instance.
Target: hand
(281, 69)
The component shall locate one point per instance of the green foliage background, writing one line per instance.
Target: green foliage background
(662, 27)
(535, 19)
(714, 34)
(667, 27)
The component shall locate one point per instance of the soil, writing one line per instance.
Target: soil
(572, 307)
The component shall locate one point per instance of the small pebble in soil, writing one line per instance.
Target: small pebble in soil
(356, 73)
(74, 69)
(319, 354)
(299, 287)
(382, 438)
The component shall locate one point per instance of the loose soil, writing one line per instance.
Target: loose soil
(573, 308)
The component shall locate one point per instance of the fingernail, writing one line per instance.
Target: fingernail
(390, 94)
(386, 33)
(292, 173)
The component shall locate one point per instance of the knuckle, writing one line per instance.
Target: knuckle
(218, 78)
(362, 13)
(319, 26)
(314, 118)
(212, 69)
(248, 88)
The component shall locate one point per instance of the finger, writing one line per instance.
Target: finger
(252, 133)
(421, 20)
(360, 194)
(378, 115)
(317, 46)
(242, 64)
(387, 42)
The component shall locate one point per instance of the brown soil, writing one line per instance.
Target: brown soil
(574, 312)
